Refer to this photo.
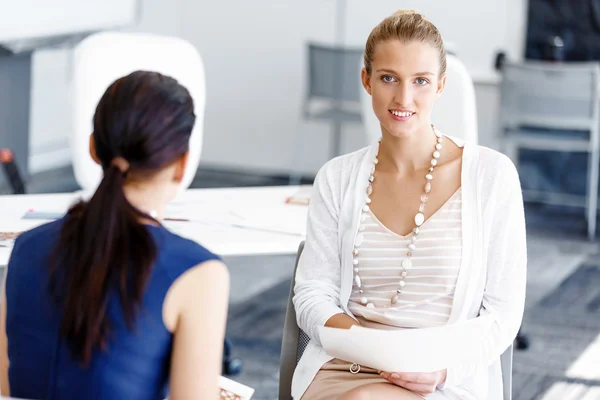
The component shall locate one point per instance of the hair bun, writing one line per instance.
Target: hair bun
(408, 12)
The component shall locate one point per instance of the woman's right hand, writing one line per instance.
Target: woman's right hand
(341, 321)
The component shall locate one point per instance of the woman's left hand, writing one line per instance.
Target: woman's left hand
(420, 383)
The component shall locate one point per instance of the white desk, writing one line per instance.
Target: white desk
(209, 206)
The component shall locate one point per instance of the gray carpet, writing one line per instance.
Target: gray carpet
(255, 328)
(560, 326)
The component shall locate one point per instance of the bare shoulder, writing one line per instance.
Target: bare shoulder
(206, 273)
(202, 280)
(212, 268)
(207, 283)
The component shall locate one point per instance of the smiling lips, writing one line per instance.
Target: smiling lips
(401, 115)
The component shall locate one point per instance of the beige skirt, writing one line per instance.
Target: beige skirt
(334, 379)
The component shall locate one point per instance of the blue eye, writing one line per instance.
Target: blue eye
(387, 78)
(421, 81)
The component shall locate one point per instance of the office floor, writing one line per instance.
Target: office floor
(562, 317)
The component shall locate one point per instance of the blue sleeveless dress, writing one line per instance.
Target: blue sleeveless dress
(135, 366)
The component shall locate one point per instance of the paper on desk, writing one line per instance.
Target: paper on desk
(408, 350)
(10, 230)
(286, 219)
(301, 197)
(7, 239)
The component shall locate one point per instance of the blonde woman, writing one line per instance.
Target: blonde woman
(419, 230)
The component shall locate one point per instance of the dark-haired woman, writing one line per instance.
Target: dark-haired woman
(105, 303)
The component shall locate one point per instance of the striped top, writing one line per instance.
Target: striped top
(426, 299)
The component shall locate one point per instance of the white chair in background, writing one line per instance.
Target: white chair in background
(102, 58)
(454, 113)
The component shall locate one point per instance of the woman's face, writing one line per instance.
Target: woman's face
(404, 83)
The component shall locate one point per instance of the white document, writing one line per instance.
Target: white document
(228, 390)
(284, 219)
(287, 219)
(232, 390)
(408, 350)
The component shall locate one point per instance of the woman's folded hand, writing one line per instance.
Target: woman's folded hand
(420, 383)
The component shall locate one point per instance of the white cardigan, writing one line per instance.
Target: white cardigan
(491, 279)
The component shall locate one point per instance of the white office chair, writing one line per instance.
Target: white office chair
(454, 113)
(102, 58)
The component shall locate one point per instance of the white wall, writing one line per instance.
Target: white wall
(255, 69)
(34, 19)
(487, 97)
(49, 120)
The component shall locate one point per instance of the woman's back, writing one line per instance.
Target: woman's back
(105, 303)
(134, 364)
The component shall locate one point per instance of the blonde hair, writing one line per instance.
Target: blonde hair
(406, 26)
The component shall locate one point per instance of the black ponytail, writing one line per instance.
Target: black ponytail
(142, 123)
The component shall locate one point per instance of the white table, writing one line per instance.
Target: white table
(212, 212)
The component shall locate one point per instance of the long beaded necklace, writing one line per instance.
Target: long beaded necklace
(419, 219)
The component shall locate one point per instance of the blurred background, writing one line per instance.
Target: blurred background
(283, 96)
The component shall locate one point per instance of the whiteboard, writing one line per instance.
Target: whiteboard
(475, 29)
(32, 19)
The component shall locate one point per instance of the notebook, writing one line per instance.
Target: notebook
(7, 239)
(301, 197)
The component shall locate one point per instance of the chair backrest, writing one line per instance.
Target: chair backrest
(332, 73)
(294, 342)
(290, 341)
(506, 362)
(454, 113)
(102, 58)
(549, 95)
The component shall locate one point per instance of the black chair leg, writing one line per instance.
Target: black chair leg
(231, 366)
(522, 341)
(12, 172)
